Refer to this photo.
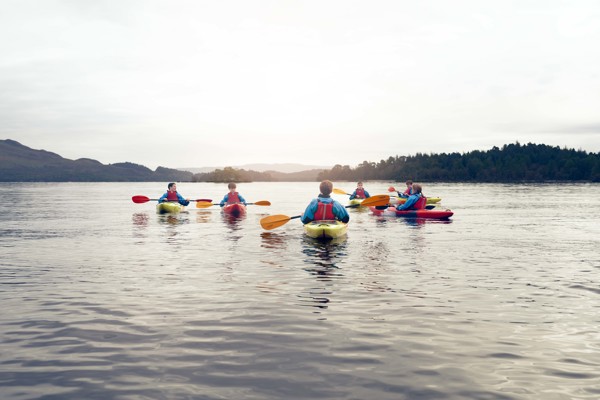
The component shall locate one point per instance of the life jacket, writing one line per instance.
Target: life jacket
(420, 204)
(360, 193)
(172, 196)
(407, 191)
(233, 198)
(324, 211)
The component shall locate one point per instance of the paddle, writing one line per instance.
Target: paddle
(274, 221)
(143, 199)
(340, 191)
(206, 204)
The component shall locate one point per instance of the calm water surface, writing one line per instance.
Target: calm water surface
(104, 299)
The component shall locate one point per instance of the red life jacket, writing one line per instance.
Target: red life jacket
(172, 196)
(233, 198)
(324, 211)
(360, 193)
(407, 191)
(420, 204)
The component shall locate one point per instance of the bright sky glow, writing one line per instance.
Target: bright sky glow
(193, 83)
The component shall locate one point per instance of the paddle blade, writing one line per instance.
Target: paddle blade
(377, 200)
(203, 204)
(261, 203)
(391, 189)
(206, 200)
(140, 199)
(339, 191)
(274, 221)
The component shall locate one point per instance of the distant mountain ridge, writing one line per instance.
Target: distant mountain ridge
(19, 163)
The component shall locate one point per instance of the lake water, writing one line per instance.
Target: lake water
(104, 299)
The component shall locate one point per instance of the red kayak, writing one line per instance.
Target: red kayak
(235, 209)
(424, 213)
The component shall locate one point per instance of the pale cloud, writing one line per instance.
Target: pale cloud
(194, 83)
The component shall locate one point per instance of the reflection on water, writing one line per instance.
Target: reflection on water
(322, 258)
(140, 219)
(174, 219)
(107, 300)
(233, 222)
(204, 216)
(273, 240)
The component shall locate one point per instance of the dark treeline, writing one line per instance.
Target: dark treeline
(229, 174)
(511, 163)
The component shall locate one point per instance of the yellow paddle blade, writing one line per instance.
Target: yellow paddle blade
(262, 203)
(273, 221)
(203, 204)
(339, 191)
(376, 200)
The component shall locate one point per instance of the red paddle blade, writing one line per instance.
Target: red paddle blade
(391, 189)
(205, 200)
(140, 199)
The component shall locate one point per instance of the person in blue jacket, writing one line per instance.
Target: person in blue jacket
(172, 195)
(415, 201)
(359, 192)
(233, 196)
(324, 207)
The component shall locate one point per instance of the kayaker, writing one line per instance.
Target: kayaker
(232, 197)
(172, 195)
(324, 207)
(416, 201)
(359, 192)
(408, 190)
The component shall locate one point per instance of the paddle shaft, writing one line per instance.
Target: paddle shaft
(274, 221)
(144, 199)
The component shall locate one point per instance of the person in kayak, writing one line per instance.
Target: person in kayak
(359, 192)
(172, 195)
(232, 197)
(324, 207)
(407, 192)
(416, 201)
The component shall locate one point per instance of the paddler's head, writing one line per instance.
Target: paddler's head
(326, 187)
(232, 186)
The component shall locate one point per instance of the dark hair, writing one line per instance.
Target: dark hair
(170, 185)
(326, 187)
(231, 185)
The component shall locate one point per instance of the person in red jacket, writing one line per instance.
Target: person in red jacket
(233, 196)
(360, 192)
(172, 195)
(408, 190)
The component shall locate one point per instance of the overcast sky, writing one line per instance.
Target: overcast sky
(215, 83)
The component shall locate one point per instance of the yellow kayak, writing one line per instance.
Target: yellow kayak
(355, 202)
(402, 200)
(325, 229)
(170, 207)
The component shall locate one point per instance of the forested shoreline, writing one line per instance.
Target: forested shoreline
(511, 163)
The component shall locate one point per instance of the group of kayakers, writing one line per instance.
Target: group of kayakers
(232, 197)
(323, 207)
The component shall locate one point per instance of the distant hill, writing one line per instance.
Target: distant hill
(19, 163)
(286, 168)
